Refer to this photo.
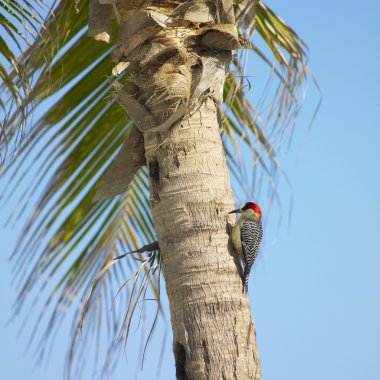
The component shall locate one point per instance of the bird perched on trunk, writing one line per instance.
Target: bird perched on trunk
(246, 237)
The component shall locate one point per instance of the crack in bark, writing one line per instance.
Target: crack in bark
(237, 351)
(206, 357)
(154, 174)
(180, 361)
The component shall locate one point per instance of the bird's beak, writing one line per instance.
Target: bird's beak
(235, 211)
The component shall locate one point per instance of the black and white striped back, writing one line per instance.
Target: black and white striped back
(251, 236)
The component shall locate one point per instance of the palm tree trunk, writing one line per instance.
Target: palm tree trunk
(214, 334)
(176, 54)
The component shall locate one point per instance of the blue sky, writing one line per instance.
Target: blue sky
(315, 289)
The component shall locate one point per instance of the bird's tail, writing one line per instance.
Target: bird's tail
(245, 283)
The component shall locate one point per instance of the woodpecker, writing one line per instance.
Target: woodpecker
(246, 237)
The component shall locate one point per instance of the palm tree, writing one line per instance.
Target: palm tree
(108, 179)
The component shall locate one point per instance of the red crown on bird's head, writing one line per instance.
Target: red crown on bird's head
(253, 206)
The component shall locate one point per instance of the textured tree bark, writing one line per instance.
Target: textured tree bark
(176, 54)
(214, 334)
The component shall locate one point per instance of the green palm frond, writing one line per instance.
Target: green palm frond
(20, 24)
(264, 128)
(63, 77)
